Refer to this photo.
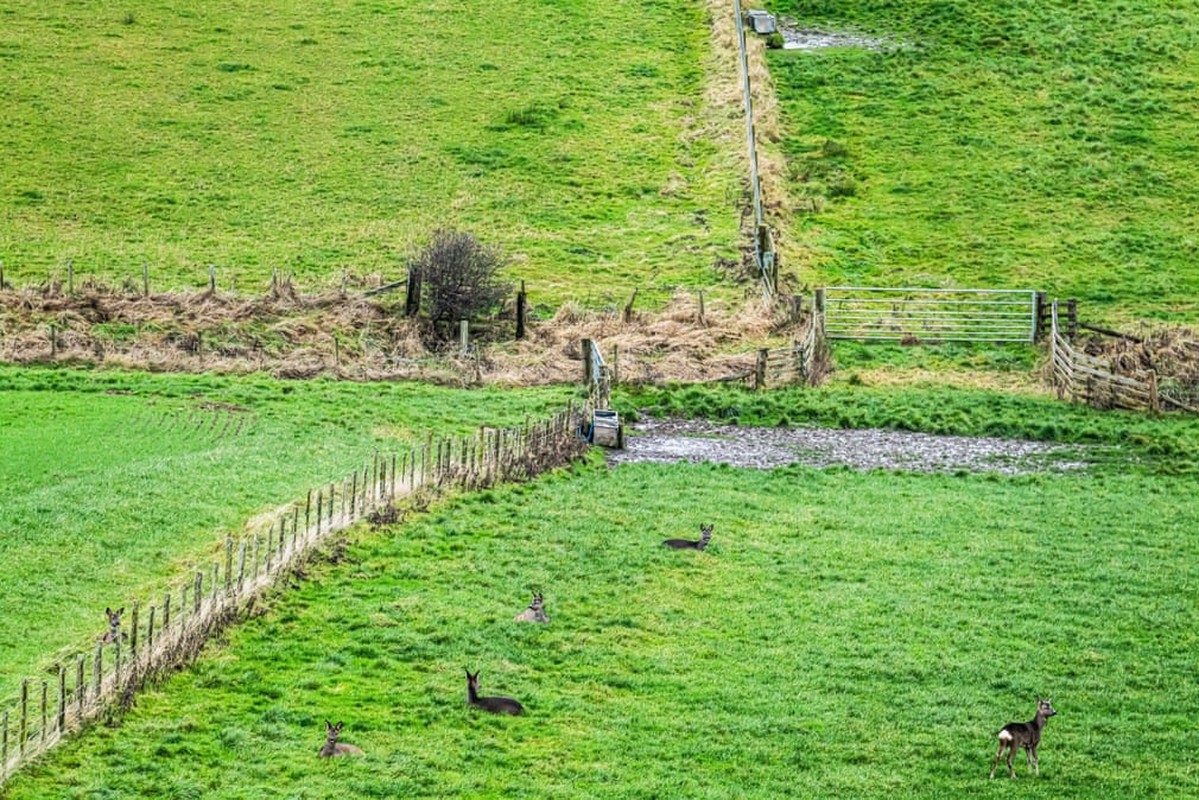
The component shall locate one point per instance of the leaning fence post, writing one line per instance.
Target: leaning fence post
(199, 591)
(522, 301)
(133, 633)
(319, 500)
(150, 635)
(760, 369)
(145, 279)
(228, 564)
(166, 610)
(241, 566)
(308, 513)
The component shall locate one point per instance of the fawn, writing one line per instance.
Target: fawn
(1024, 734)
(534, 613)
(113, 634)
(332, 748)
(705, 534)
(496, 705)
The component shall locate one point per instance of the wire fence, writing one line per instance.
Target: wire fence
(171, 629)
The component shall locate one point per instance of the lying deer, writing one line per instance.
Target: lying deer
(332, 749)
(113, 634)
(1024, 734)
(705, 534)
(534, 613)
(496, 705)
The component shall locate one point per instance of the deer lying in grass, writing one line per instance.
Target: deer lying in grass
(1024, 734)
(113, 634)
(534, 613)
(705, 535)
(332, 749)
(496, 705)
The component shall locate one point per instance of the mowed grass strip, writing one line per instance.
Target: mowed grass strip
(104, 497)
(323, 138)
(845, 635)
(1012, 144)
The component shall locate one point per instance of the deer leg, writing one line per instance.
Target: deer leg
(1036, 760)
(1011, 751)
(995, 761)
(1028, 757)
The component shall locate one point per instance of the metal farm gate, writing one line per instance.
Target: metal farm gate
(915, 316)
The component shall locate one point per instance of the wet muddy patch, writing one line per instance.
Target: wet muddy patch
(673, 441)
(797, 36)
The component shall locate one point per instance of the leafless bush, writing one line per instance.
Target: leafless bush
(460, 276)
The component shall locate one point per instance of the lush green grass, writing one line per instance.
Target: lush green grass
(846, 635)
(1012, 144)
(318, 138)
(103, 496)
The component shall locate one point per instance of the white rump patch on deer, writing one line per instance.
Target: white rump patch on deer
(1004, 736)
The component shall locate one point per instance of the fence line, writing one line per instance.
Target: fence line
(1080, 377)
(172, 631)
(804, 362)
(764, 255)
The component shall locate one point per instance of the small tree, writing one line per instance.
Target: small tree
(460, 277)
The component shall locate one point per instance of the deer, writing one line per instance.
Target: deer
(496, 705)
(113, 634)
(332, 748)
(1024, 734)
(535, 612)
(705, 535)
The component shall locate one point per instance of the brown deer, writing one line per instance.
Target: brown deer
(705, 535)
(1024, 734)
(534, 613)
(496, 705)
(113, 634)
(332, 748)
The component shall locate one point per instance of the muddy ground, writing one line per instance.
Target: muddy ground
(765, 448)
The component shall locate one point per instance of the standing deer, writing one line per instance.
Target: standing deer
(113, 634)
(332, 749)
(496, 705)
(705, 535)
(534, 613)
(1024, 734)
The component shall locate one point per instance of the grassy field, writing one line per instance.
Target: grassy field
(336, 137)
(112, 483)
(846, 635)
(1047, 145)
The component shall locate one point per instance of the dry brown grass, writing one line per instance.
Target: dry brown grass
(293, 336)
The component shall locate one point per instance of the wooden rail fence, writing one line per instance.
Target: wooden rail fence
(1083, 378)
(172, 629)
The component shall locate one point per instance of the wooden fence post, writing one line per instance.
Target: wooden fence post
(80, 688)
(23, 725)
(760, 369)
(588, 361)
(521, 306)
(150, 634)
(61, 722)
(53, 341)
(97, 672)
(212, 278)
(199, 591)
(2, 283)
(3, 746)
(319, 500)
(45, 717)
(1072, 318)
(241, 566)
(228, 564)
(133, 633)
(70, 277)
(145, 279)
(1154, 400)
(702, 317)
(412, 300)
(166, 610)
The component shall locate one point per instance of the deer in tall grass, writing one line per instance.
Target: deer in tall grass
(332, 747)
(705, 535)
(496, 705)
(113, 634)
(535, 612)
(1024, 734)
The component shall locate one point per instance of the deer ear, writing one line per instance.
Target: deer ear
(122, 611)
(328, 727)
(108, 611)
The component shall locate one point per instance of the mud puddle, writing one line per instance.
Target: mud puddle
(673, 441)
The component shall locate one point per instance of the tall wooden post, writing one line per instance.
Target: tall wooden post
(521, 308)
(1072, 318)
(412, 300)
(145, 279)
(760, 369)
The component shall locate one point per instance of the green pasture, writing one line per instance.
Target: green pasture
(1012, 144)
(331, 137)
(846, 635)
(112, 484)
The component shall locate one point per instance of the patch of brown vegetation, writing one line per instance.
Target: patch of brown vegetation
(352, 337)
(1172, 353)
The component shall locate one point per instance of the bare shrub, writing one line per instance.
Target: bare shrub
(460, 276)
